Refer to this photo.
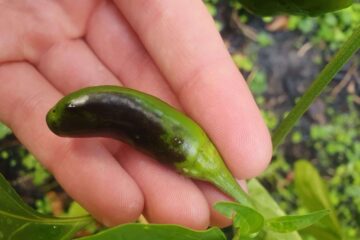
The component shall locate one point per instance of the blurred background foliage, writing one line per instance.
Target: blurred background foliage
(319, 164)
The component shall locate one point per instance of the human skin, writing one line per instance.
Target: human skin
(168, 48)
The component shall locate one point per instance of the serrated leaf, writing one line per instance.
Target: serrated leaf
(265, 204)
(245, 219)
(287, 224)
(19, 222)
(138, 231)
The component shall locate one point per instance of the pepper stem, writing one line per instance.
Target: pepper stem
(227, 183)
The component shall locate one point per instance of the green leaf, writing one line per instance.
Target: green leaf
(264, 39)
(38, 172)
(314, 195)
(310, 187)
(265, 204)
(246, 219)
(320, 232)
(258, 85)
(243, 62)
(76, 210)
(18, 221)
(295, 7)
(287, 224)
(4, 130)
(138, 231)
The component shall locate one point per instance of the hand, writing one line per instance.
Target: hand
(170, 49)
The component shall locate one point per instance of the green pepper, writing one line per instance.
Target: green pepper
(149, 125)
(294, 7)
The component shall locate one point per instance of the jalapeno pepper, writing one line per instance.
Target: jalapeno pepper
(149, 125)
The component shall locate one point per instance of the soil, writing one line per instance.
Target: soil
(289, 64)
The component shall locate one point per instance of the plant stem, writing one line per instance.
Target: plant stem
(349, 48)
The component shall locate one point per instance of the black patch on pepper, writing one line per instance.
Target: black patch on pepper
(122, 117)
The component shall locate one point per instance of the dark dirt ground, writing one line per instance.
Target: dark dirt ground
(289, 66)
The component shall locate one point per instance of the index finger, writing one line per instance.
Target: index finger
(182, 39)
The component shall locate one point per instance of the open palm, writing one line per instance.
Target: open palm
(168, 48)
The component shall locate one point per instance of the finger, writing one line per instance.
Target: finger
(169, 197)
(213, 196)
(183, 41)
(78, 12)
(9, 43)
(115, 43)
(84, 168)
(72, 65)
(30, 28)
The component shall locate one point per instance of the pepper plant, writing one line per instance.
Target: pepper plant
(18, 221)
